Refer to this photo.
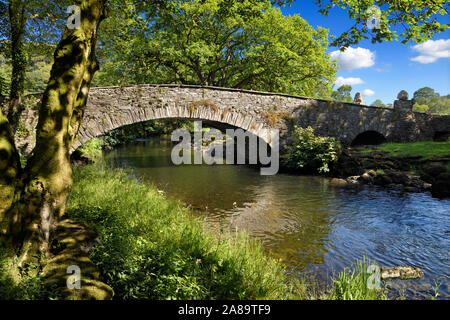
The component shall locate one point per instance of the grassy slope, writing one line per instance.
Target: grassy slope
(423, 149)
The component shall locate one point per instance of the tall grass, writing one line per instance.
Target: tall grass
(153, 248)
(352, 284)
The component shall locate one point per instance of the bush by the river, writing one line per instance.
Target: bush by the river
(311, 153)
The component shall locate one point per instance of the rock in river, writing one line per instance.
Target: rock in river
(340, 183)
(401, 272)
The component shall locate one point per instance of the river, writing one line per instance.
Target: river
(302, 220)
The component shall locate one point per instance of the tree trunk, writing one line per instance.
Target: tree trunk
(19, 58)
(9, 172)
(45, 185)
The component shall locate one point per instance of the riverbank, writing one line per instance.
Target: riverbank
(408, 167)
(152, 248)
(155, 248)
(149, 247)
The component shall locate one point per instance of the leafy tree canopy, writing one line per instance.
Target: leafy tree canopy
(43, 20)
(378, 103)
(398, 19)
(343, 94)
(195, 42)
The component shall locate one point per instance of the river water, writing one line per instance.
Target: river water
(311, 226)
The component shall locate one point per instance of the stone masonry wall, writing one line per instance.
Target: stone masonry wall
(113, 107)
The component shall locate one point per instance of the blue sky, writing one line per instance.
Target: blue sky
(384, 68)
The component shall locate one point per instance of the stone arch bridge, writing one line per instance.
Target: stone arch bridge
(109, 108)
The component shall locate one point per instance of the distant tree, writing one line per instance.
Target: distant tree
(343, 94)
(37, 70)
(378, 103)
(420, 108)
(2, 84)
(425, 94)
(426, 99)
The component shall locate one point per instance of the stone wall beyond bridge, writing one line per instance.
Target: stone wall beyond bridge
(113, 107)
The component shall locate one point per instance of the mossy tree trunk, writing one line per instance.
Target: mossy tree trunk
(9, 169)
(19, 59)
(43, 188)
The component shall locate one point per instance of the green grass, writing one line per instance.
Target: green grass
(351, 284)
(16, 284)
(424, 149)
(153, 248)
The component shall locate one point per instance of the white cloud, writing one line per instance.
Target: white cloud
(340, 81)
(354, 58)
(432, 50)
(368, 93)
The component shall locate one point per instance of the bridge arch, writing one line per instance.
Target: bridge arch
(441, 136)
(200, 110)
(369, 137)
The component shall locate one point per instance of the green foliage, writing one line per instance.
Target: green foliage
(311, 153)
(427, 100)
(249, 45)
(92, 149)
(425, 94)
(37, 74)
(378, 103)
(37, 69)
(144, 130)
(421, 108)
(417, 20)
(31, 102)
(153, 248)
(343, 94)
(21, 129)
(18, 284)
(351, 284)
(5, 74)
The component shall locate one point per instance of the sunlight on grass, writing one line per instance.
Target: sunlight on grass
(424, 149)
(352, 284)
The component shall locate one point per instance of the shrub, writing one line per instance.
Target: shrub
(92, 149)
(311, 153)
